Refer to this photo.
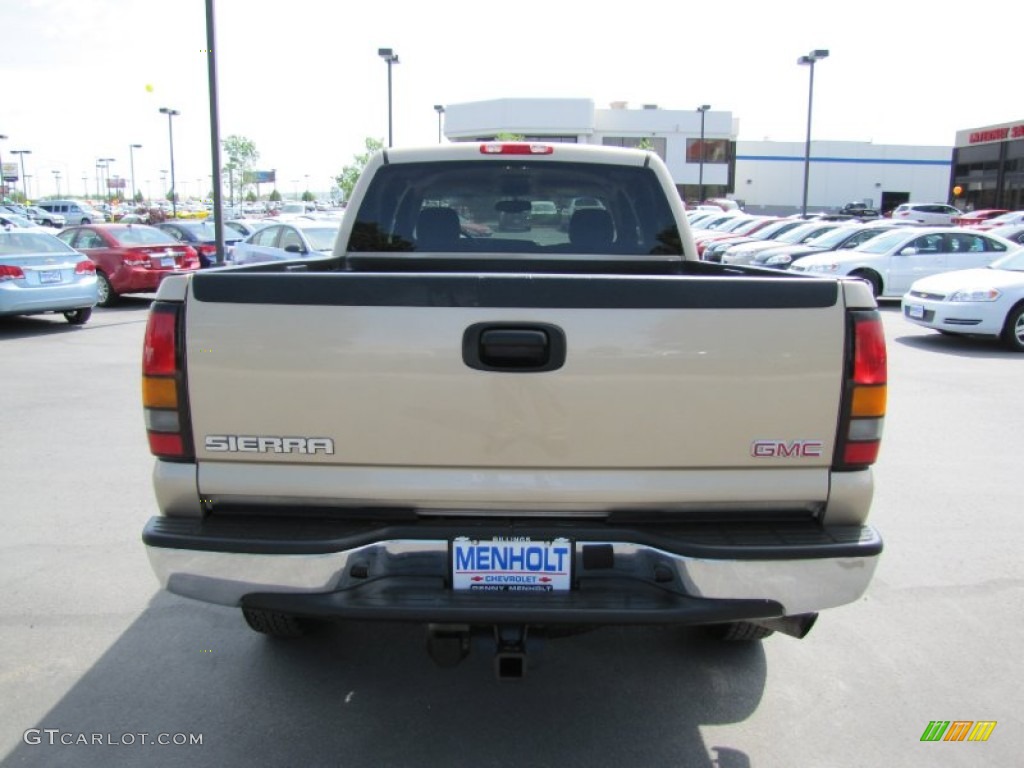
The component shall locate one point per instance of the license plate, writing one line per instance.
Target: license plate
(50, 276)
(915, 310)
(511, 565)
(167, 262)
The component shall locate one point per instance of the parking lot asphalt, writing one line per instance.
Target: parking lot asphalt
(92, 648)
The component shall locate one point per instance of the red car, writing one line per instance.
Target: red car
(129, 258)
(974, 218)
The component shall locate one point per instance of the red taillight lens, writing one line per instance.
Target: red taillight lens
(85, 268)
(9, 272)
(870, 365)
(866, 392)
(159, 346)
(516, 148)
(163, 385)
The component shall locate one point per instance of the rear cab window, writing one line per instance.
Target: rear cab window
(440, 206)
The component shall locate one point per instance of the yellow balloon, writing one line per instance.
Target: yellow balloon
(149, 88)
(957, 190)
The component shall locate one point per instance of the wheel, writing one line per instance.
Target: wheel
(738, 632)
(105, 291)
(873, 280)
(78, 316)
(273, 623)
(1013, 330)
(85, 221)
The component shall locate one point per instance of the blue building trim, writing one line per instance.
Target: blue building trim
(855, 160)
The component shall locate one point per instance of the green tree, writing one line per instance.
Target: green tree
(349, 175)
(274, 197)
(242, 158)
(251, 197)
(308, 196)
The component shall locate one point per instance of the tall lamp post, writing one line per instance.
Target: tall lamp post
(3, 181)
(170, 134)
(391, 58)
(809, 59)
(703, 108)
(131, 158)
(56, 178)
(439, 108)
(24, 185)
(106, 167)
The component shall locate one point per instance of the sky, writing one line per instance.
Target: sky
(84, 79)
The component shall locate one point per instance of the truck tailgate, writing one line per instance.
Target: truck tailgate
(660, 376)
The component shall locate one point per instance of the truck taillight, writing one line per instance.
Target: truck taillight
(163, 385)
(865, 394)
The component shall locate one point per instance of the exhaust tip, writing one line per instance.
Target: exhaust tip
(797, 626)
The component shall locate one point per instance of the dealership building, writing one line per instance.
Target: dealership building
(702, 151)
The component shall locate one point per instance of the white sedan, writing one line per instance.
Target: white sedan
(892, 261)
(973, 302)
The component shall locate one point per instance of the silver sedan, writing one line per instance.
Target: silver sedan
(296, 239)
(39, 274)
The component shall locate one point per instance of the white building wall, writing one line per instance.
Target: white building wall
(772, 173)
(555, 117)
(768, 174)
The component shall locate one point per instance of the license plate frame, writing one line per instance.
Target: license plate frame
(915, 311)
(511, 564)
(167, 262)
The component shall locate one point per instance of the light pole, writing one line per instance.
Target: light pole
(163, 182)
(56, 178)
(809, 59)
(391, 58)
(439, 108)
(703, 108)
(28, 177)
(3, 181)
(170, 134)
(21, 156)
(85, 185)
(106, 167)
(131, 158)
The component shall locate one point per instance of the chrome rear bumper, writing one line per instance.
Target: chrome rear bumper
(645, 573)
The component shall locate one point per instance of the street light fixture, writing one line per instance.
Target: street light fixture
(170, 133)
(815, 55)
(56, 177)
(21, 156)
(391, 58)
(439, 108)
(700, 182)
(131, 157)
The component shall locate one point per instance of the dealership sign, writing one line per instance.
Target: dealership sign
(997, 134)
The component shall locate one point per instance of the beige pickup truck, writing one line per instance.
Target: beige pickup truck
(509, 433)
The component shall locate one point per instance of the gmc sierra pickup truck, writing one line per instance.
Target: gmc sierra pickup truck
(514, 434)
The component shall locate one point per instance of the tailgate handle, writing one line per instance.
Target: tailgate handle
(513, 347)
